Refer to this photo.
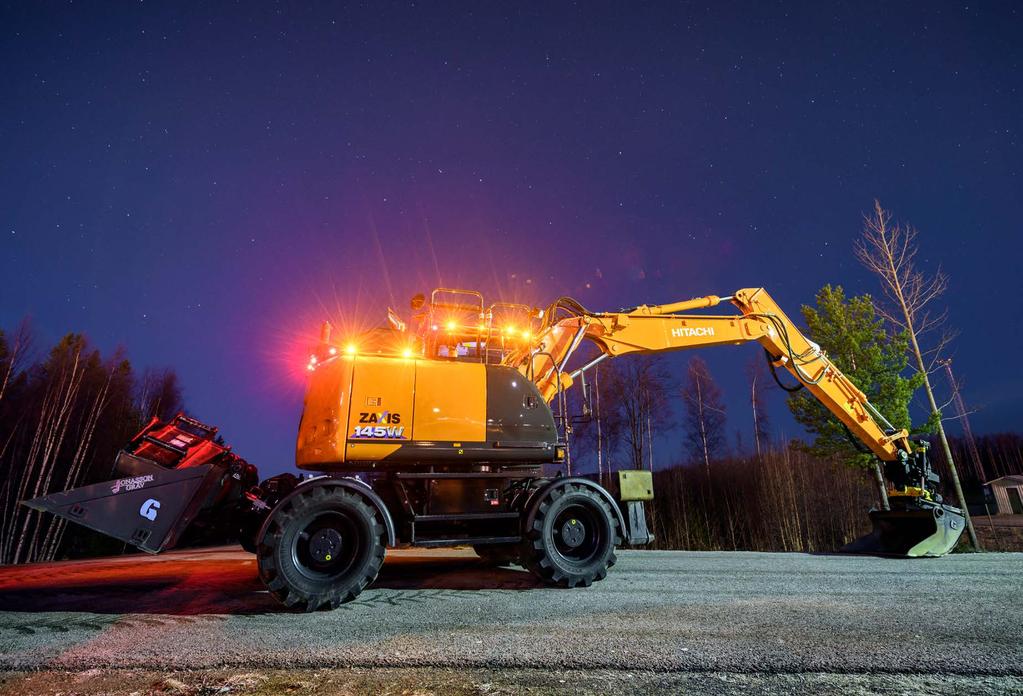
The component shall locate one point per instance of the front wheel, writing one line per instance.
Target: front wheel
(321, 547)
(572, 538)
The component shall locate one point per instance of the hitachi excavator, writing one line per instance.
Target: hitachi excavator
(440, 431)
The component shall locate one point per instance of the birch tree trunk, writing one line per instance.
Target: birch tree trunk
(889, 252)
(55, 531)
(55, 429)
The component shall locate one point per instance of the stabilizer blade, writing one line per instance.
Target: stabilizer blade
(149, 511)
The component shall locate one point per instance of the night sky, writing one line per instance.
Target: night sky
(204, 184)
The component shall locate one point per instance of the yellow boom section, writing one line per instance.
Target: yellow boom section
(658, 328)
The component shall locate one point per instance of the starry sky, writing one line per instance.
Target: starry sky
(203, 184)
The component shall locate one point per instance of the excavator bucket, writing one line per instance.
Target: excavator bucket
(149, 511)
(173, 474)
(921, 530)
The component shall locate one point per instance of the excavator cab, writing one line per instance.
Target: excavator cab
(456, 325)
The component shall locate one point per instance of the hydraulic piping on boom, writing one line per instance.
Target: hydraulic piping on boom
(918, 524)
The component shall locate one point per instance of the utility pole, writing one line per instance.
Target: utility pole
(971, 444)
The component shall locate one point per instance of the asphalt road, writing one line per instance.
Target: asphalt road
(953, 622)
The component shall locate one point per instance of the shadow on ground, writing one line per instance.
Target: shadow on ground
(216, 582)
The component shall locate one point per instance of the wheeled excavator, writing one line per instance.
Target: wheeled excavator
(452, 429)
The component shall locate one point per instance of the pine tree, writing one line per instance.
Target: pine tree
(856, 340)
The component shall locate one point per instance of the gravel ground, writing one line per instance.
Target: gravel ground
(347, 681)
(707, 622)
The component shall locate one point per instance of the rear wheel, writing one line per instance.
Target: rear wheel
(572, 538)
(321, 547)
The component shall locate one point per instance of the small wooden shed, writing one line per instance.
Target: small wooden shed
(1008, 494)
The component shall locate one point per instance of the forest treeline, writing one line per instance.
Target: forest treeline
(65, 411)
(787, 499)
(724, 482)
(730, 485)
(988, 457)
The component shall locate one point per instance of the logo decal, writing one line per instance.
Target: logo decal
(382, 417)
(379, 432)
(149, 509)
(385, 426)
(687, 331)
(130, 484)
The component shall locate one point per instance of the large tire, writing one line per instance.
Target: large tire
(497, 554)
(321, 547)
(572, 538)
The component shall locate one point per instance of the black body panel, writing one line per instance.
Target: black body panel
(516, 413)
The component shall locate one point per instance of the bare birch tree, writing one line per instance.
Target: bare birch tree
(758, 384)
(50, 435)
(889, 251)
(62, 420)
(12, 354)
(83, 446)
(704, 414)
(638, 389)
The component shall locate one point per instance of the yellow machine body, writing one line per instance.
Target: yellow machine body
(464, 386)
(366, 409)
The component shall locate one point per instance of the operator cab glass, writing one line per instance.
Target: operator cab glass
(457, 325)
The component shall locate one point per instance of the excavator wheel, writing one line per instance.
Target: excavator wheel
(321, 547)
(497, 554)
(572, 538)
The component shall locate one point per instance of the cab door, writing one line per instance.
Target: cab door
(451, 402)
(380, 411)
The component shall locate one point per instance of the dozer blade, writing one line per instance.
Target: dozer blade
(922, 530)
(149, 511)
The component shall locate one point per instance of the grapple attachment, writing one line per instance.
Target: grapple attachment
(921, 529)
(173, 474)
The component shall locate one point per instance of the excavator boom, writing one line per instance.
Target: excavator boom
(670, 327)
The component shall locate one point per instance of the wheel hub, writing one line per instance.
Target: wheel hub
(325, 545)
(573, 532)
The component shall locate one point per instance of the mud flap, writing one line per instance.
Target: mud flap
(149, 511)
(924, 530)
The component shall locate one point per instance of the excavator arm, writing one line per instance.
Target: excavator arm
(916, 524)
(660, 328)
